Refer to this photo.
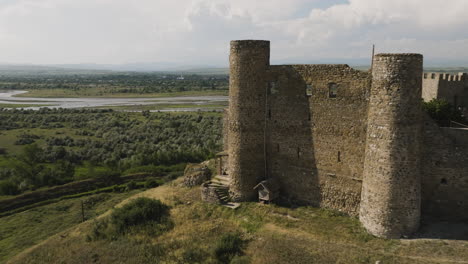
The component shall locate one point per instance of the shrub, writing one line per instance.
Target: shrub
(193, 255)
(229, 246)
(137, 212)
(117, 189)
(151, 183)
(8, 188)
(131, 185)
(442, 111)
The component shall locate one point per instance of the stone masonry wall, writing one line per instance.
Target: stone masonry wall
(451, 88)
(307, 126)
(315, 142)
(249, 61)
(445, 172)
(391, 191)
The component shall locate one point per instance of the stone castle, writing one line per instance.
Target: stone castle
(344, 139)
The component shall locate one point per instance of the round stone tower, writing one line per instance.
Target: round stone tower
(249, 61)
(391, 188)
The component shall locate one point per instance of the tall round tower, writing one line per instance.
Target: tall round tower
(249, 61)
(391, 189)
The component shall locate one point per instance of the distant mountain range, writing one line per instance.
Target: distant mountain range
(360, 63)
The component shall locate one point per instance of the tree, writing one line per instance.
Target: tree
(442, 111)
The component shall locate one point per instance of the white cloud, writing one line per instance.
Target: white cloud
(198, 31)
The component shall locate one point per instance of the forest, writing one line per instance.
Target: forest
(54, 146)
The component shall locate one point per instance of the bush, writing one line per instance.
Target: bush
(151, 183)
(117, 188)
(137, 212)
(8, 188)
(3, 151)
(193, 255)
(131, 185)
(442, 111)
(229, 246)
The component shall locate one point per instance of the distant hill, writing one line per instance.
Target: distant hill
(72, 69)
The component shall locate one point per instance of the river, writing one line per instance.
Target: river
(8, 97)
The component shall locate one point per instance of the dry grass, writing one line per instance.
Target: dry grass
(273, 234)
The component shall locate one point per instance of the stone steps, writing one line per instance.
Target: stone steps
(222, 180)
(219, 186)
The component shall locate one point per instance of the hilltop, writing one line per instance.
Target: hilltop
(266, 234)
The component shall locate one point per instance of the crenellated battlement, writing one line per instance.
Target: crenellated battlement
(460, 77)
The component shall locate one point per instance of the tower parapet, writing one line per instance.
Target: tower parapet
(391, 192)
(249, 62)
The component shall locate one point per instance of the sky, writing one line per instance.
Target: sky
(197, 32)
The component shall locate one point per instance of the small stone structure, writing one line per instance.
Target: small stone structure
(343, 139)
(268, 190)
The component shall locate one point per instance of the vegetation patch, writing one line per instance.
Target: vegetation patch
(443, 112)
(228, 247)
(52, 147)
(253, 233)
(25, 229)
(140, 215)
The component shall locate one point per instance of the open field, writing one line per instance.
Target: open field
(270, 234)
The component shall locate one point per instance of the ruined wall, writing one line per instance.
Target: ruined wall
(249, 61)
(316, 142)
(391, 190)
(445, 172)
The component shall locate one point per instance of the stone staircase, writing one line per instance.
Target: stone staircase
(218, 190)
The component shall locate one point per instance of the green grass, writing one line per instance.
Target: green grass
(25, 229)
(103, 92)
(263, 234)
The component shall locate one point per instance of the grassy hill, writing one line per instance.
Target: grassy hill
(25, 229)
(254, 233)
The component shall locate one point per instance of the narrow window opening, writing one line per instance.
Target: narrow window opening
(269, 113)
(339, 156)
(308, 117)
(332, 90)
(443, 181)
(309, 90)
(273, 88)
(299, 153)
(433, 76)
(277, 148)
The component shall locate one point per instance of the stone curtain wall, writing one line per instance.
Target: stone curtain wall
(316, 143)
(445, 86)
(445, 172)
(290, 149)
(430, 86)
(391, 191)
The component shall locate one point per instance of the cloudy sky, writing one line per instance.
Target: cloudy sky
(197, 32)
